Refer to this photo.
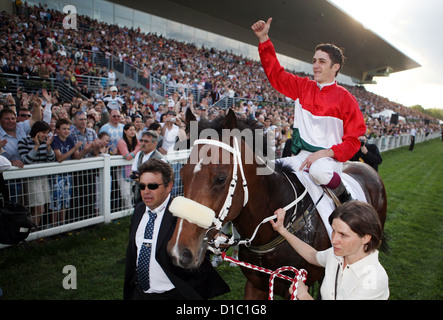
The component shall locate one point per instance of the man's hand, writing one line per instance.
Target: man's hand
(3, 143)
(261, 29)
(363, 149)
(17, 163)
(47, 96)
(315, 156)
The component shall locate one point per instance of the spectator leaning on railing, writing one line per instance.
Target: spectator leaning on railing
(36, 148)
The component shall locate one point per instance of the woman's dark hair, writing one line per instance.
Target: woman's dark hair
(39, 126)
(362, 218)
(131, 145)
(154, 126)
(158, 166)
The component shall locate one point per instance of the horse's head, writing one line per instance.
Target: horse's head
(215, 192)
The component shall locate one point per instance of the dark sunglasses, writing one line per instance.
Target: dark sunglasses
(151, 186)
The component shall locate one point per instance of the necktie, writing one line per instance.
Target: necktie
(140, 159)
(145, 254)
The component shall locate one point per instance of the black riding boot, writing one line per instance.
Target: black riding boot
(342, 193)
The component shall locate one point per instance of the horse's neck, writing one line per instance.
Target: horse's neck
(280, 189)
(267, 195)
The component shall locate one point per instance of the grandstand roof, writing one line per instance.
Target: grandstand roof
(297, 27)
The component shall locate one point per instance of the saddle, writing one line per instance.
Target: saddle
(324, 200)
(327, 205)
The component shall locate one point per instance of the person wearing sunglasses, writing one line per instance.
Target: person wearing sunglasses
(23, 114)
(148, 145)
(150, 273)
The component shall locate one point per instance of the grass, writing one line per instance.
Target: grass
(413, 180)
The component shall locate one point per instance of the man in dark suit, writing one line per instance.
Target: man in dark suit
(154, 276)
(368, 154)
(148, 149)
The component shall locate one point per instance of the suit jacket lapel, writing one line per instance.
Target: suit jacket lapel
(138, 214)
(168, 222)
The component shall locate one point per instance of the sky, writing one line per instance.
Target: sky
(414, 27)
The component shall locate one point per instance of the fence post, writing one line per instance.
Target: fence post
(105, 180)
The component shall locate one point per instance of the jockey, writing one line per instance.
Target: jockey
(327, 119)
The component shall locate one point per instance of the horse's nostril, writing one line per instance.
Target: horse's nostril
(186, 257)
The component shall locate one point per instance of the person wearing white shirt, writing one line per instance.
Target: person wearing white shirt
(170, 133)
(111, 77)
(113, 101)
(150, 273)
(352, 269)
(413, 132)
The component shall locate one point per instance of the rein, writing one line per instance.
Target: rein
(299, 275)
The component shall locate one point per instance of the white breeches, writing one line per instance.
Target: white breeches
(324, 171)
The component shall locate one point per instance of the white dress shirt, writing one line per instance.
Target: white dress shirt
(365, 279)
(159, 281)
(137, 157)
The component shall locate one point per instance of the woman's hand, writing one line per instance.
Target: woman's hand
(302, 291)
(278, 225)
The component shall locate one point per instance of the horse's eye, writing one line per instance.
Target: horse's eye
(220, 180)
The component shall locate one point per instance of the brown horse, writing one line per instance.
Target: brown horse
(208, 180)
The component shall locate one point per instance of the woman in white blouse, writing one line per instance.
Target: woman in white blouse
(352, 269)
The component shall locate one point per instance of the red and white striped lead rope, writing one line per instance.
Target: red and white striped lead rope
(299, 274)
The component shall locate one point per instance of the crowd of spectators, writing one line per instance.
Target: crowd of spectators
(112, 118)
(34, 42)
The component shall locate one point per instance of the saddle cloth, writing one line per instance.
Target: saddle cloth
(326, 205)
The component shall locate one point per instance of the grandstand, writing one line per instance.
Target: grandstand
(155, 64)
(94, 54)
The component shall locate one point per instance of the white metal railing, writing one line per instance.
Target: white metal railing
(392, 142)
(101, 190)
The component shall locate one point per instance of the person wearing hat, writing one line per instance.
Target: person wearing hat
(113, 101)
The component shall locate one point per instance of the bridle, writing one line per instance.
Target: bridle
(218, 221)
(214, 244)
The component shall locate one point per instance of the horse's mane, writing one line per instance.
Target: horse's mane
(218, 124)
(283, 168)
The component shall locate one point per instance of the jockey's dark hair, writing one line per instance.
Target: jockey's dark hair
(335, 54)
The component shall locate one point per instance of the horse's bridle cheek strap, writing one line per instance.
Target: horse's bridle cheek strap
(218, 221)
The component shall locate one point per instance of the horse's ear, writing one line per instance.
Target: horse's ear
(190, 116)
(230, 120)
